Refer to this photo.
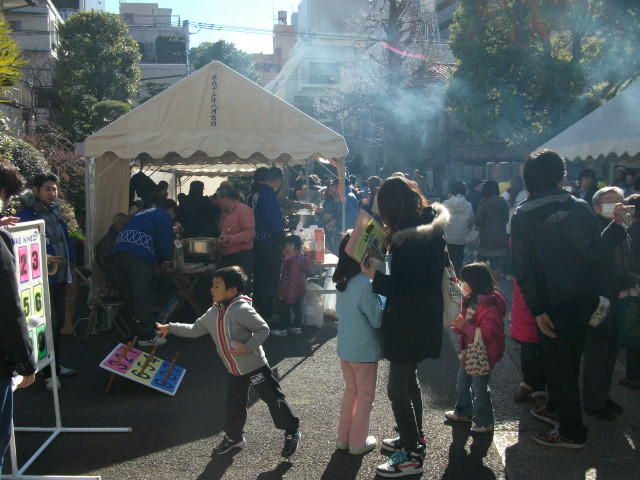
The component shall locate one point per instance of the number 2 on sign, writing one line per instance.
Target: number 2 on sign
(23, 258)
(34, 250)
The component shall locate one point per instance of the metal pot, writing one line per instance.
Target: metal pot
(200, 245)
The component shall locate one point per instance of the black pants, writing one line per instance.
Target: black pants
(599, 361)
(58, 300)
(269, 391)
(456, 254)
(532, 365)
(267, 263)
(284, 312)
(403, 390)
(633, 363)
(135, 284)
(561, 357)
(242, 259)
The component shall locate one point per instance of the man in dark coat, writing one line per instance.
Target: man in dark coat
(104, 249)
(557, 251)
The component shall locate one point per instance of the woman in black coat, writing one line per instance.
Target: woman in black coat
(412, 318)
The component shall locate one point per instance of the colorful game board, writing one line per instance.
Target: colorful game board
(153, 376)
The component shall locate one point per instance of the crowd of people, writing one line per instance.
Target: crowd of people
(569, 250)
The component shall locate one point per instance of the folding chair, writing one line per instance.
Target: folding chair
(97, 301)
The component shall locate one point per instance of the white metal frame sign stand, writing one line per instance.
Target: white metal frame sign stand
(31, 274)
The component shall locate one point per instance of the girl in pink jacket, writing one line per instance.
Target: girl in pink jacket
(483, 308)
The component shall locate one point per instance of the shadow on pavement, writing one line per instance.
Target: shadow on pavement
(342, 466)
(468, 465)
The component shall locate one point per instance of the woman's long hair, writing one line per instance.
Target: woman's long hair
(347, 267)
(490, 189)
(400, 203)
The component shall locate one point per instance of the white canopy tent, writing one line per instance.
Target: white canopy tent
(613, 128)
(215, 121)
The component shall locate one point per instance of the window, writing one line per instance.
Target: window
(323, 73)
(15, 26)
(128, 18)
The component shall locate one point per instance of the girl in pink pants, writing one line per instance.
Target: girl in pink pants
(359, 349)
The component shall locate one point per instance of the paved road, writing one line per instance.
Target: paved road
(173, 437)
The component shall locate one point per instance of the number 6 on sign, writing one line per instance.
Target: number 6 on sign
(38, 303)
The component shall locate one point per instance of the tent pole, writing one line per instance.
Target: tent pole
(341, 168)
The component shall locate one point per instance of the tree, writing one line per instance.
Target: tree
(10, 58)
(386, 95)
(529, 68)
(226, 53)
(106, 112)
(97, 62)
(153, 89)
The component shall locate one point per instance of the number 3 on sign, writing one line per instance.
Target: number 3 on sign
(38, 300)
(26, 302)
(34, 250)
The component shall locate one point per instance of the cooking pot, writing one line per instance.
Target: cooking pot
(200, 245)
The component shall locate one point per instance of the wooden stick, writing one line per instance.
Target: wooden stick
(149, 358)
(173, 364)
(123, 354)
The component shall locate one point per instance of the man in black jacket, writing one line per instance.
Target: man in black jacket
(104, 249)
(15, 347)
(557, 252)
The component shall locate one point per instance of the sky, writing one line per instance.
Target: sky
(254, 14)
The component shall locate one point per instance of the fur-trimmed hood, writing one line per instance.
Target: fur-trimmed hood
(30, 200)
(433, 220)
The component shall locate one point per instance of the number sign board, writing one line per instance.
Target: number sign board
(31, 274)
(154, 375)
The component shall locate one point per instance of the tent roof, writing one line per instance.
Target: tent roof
(613, 128)
(216, 116)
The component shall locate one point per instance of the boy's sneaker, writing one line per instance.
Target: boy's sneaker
(229, 443)
(295, 330)
(541, 413)
(369, 444)
(452, 415)
(66, 372)
(402, 463)
(279, 333)
(523, 394)
(153, 341)
(291, 442)
(394, 445)
(482, 428)
(552, 438)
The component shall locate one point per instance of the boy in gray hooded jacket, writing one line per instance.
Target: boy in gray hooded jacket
(238, 333)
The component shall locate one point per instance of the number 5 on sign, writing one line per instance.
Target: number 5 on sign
(25, 300)
(38, 301)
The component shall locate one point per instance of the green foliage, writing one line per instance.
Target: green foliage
(154, 88)
(226, 53)
(97, 62)
(26, 158)
(10, 58)
(106, 112)
(170, 49)
(528, 69)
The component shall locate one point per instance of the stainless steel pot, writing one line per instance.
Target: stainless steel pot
(200, 245)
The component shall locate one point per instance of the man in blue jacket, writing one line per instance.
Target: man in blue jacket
(267, 246)
(41, 204)
(144, 241)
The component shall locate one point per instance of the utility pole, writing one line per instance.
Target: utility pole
(185, 26)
